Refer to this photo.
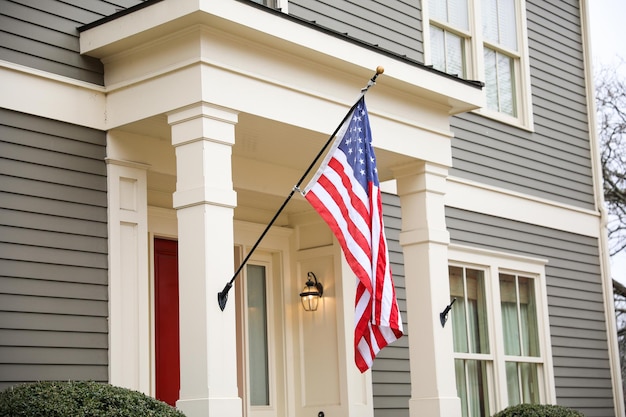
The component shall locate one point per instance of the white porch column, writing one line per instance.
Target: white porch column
(425, 240)
(203, 136)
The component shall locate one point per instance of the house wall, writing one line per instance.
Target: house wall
(43, 35)
(554, 160)
(53, 251)
(575, 301)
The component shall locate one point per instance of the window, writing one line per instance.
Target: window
(500, 331)
(260, 367)
(483, 39)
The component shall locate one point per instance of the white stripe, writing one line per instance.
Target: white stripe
(364, 350)
(375, 249)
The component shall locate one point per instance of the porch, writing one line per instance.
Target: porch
(213, 114)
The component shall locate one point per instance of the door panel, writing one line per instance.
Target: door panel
(167, 345)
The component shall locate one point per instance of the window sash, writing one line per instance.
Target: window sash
(519, 315)
(469, 314)
(500, 82)
(448, 51)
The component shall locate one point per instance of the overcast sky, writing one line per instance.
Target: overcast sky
(608, 31)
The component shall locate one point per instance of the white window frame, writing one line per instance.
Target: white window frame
(493, 263)
(264, 260)
(475, 66)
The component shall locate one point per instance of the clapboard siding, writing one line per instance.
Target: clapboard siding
(391, 380)
(553, 161)
(575, 301)
(53, 251)
(392, 25)
(44, 35)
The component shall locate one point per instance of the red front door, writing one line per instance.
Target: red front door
(167, 347)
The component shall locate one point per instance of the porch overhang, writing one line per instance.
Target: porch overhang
(158, 19)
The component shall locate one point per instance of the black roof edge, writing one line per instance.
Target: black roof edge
(308, 23)
(123, 12)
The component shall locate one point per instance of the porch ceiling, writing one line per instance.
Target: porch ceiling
(268, 160)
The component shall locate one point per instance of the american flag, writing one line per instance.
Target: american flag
(345, 192)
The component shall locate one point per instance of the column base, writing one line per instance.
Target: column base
(211, 407)
(435, 407)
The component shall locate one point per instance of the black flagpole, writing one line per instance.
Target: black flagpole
(222, 296)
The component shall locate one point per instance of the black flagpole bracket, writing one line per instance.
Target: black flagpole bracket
(443, 316)
(222, 296)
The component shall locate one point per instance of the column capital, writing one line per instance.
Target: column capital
(202, 121)
(419, 177)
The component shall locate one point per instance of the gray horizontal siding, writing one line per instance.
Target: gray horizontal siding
(575, 301)
(554, 161)
(392, 25)
(53, 251)
(44, 35)
(391, 379)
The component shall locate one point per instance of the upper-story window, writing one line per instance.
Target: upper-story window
(500, 331)
(483, 40)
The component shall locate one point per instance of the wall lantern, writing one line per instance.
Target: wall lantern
(311, 293)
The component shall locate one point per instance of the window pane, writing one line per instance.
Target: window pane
(461, 385)
(257, 335)
(522, 383)
(510, 319)
(528, 317)
(459, 320)
(491, 79)
(530, 383)
(472, 387)
(512, 383)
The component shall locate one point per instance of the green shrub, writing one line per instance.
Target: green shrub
(538, 410)
(80, 399)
